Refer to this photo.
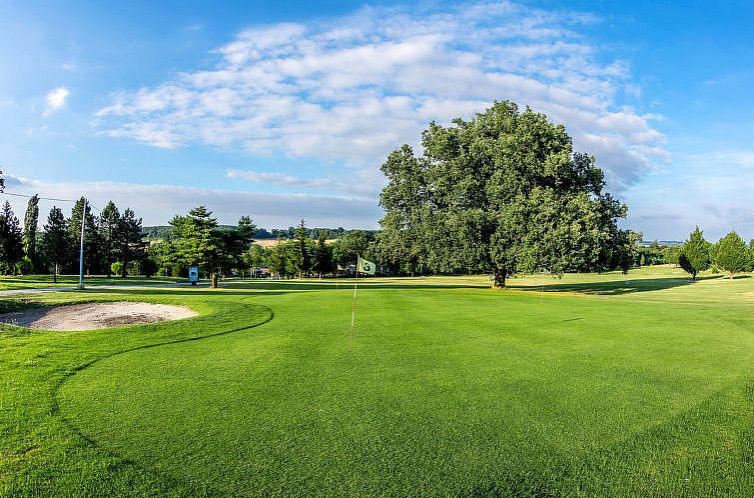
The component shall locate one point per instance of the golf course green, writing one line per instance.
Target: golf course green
(589, 385)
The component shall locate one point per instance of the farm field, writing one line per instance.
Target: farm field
(590, 385)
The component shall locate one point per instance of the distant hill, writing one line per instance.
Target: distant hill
(670, 243)
(163, 232)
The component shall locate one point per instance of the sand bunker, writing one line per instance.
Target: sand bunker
(92, 316)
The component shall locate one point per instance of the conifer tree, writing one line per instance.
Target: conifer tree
(31, 222)
(694, 255)
(55, 241)
(130, 243)
(109, 231)
(11, 245)
(732, 254)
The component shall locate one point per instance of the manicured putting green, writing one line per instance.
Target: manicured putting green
(619, 389)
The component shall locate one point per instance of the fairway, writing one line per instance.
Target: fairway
(610, 388)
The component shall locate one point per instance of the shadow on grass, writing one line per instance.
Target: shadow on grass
(616, 287)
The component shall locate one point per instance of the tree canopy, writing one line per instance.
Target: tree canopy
(694, 254)
(501, 193)
(733, 255)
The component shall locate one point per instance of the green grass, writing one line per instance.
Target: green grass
(46, 281)
(598, 386)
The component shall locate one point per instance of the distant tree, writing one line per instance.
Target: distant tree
(109, 232)
(501, 193)
(300, 252)
(323, 261)
(55, 241)
(256, 256)
(694, 255)
(197, 241)
(671, 254)
(130, 244)
(165, 256)
(278, 258)
(148, 266)
(234, 242)
(11, 244)
(347, 248)
(733, 255)
(31, 222)
(2, 182)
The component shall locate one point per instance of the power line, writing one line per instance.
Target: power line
(52, 199)
(45, 198)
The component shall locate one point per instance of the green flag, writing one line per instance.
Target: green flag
(364, 266)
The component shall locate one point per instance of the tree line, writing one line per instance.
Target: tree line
(113, 241)
(730, 254)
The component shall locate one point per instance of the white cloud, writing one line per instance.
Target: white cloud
(363, 183)
(156, 204)
(56, 99)
(668, 204)
(354, 88)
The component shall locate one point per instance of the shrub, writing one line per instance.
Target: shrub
(25, 266)
(116, 268)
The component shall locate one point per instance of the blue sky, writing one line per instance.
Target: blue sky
(284, 110)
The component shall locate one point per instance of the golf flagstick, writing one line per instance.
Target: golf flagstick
(353, 310)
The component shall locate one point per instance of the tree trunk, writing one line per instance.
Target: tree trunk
(55, 274)
(213, 277)
(499, 282)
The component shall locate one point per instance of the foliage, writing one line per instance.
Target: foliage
(323, 257)
(299, 253)
(11, 243)
(256, 256)
(130, 246)
(733, 255)
(278, 258)
(671, 254)
(25, 266)
(695, 254)
(650, 255)
(55, 242)
(356, 243)
(503, 193)
(31, 222)
(117, 268)
(92, 241)
(110, 228)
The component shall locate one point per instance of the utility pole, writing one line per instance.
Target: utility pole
(81, 247)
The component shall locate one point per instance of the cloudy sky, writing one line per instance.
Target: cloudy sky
(283, 110)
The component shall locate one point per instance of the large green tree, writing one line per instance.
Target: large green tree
(694, 254)
(108, 226)
(323, 260)
(11, 244)
(130, 241)
(55, 241)
(278, 258)
(300, 252)
(501, 193)
(197, 241)
(31, 223)
(733, 255)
